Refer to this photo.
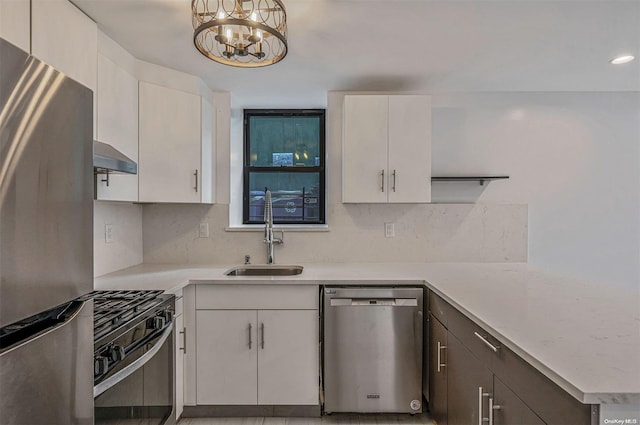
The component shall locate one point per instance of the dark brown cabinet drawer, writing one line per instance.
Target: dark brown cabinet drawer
(484, 346)
(439, 308)
(554, 405)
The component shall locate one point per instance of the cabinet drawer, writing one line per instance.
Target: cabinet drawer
(476, 339)
(258, 297)
(554, 405)
(438, 308)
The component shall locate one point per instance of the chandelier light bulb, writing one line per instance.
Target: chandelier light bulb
(247, 33)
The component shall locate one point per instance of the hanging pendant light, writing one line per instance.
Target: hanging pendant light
(244, 33)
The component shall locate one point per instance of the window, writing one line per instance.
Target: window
(284, 152)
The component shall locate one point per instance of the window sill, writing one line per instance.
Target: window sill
(285, 227)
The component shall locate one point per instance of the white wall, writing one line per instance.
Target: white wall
(126, 248)
(573, 158)
(356, 232)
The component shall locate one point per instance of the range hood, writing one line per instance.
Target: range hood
(107, 159)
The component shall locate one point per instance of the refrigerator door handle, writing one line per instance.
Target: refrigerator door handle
(10, 341)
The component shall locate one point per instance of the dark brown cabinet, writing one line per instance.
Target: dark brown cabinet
(473, 379)
(437, 371)
(507, 408)
(470, 385)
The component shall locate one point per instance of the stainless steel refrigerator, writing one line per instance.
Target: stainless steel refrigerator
(46, 241)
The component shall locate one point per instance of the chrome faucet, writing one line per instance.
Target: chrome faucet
(268, 228)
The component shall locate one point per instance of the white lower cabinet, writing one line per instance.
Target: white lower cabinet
(179, 346)
(287, 357)
(253, 348)
(226, 357)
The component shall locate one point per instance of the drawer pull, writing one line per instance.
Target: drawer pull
(494, 348)
(481, 396)
(492, 407)
(440, 364)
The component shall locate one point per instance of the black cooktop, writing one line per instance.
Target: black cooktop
(116, 311)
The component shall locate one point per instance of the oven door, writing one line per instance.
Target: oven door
(140, 386)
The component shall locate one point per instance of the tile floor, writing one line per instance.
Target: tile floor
(336, 418)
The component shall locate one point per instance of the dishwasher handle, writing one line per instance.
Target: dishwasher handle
(374, 302)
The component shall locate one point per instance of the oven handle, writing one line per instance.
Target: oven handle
(137, 364)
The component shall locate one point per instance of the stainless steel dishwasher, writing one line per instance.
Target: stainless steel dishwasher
(373, 349)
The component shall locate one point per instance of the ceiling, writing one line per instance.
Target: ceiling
(401, 45)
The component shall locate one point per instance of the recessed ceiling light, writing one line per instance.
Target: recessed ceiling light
(619, 60)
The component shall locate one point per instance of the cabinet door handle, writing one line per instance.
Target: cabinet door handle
(184, 340)
(106, 179)
(440, 364)
(196, 176)
(494, 348)
(262, 335)
(492, 407)
(481, 396)
(394, 181)
(250, 341)
(382, 173)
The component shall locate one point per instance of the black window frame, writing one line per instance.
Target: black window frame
(320, 169)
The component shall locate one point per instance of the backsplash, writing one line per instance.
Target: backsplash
(425, 232)
(125, 249)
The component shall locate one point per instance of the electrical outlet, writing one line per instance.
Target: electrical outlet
(389, 230)
(108, 233)
(203, 230)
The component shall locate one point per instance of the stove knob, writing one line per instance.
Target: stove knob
(117, 353)
(100, 365)
(156, 322)
(168, 315)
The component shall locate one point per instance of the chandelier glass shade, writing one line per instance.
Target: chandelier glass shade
(244, 33)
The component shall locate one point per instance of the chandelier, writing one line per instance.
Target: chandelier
(244, 33)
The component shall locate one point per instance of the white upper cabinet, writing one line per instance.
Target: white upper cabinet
(409, 149)
(65, 38)
(117, 125)
(15, 24)
(207, 153)
(386, 149)
(175, 146)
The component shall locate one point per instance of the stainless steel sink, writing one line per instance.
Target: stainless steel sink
(264, 270)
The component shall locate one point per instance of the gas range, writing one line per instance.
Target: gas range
(133, 354)
(114, 312)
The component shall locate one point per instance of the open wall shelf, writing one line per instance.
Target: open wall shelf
(480, 179)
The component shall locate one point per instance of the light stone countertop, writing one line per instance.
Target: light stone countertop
(582, 335)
